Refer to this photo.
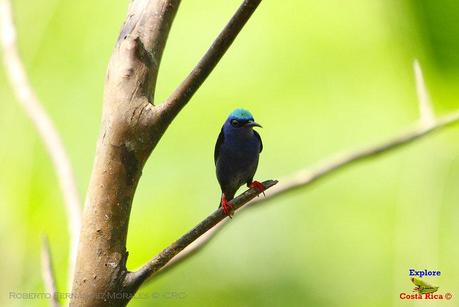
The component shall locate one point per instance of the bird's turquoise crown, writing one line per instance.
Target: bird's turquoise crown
(241, 114)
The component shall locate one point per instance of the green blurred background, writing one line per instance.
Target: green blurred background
(322, 77)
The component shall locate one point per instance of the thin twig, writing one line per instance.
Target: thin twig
(48, 272)
(135, 279)
(168, 110)
(193, 248)
(183, 93)
(309, 176)
(30, 103)
(427, 116)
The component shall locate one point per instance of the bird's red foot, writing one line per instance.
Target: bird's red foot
(258, 186)
(227, 208)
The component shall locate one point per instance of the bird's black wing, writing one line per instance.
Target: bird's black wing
(259, 138)
(219, 143)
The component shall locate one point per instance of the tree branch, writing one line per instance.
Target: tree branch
(131, 128)
(135, 279)
(308, 176)
(30, 103)
(427, 116)
(193, 248)
(48, 272)
(427, 124)
(183, 93)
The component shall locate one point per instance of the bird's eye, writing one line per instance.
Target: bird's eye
(235, 123)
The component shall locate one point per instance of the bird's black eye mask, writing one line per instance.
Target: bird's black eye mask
(239, 123)
(235, 123)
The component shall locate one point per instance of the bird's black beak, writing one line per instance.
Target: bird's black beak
(252, 124)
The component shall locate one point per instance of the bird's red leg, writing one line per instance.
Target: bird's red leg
(227, 208)
(258, 186)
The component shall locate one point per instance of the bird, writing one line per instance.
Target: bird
(236, 155)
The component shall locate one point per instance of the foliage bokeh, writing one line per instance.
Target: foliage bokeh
(321, 76)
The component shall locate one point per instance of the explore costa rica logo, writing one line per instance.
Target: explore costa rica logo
(423, 289)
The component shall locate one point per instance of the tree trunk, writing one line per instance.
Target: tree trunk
(131, 127)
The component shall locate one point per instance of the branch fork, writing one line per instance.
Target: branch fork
(131, 128)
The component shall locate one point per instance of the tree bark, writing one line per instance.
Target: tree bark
(130, 129)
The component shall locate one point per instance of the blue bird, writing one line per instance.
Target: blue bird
(236, 155)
